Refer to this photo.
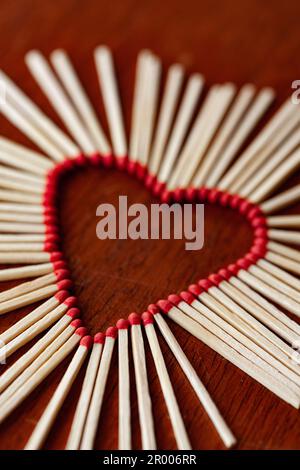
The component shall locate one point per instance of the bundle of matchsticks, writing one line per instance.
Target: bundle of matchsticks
(182, 151)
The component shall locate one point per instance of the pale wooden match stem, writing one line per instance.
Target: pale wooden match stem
(22, 176)
(124, 391)
(23, 217)
(12, 402)
(69, 78)
(142, 387)
(181, 124)
(279, 273)
(136, 120)
(264, 137)
(109, 88)
(32, 331)
(19, 196)
(263, 316)
(284, 221)
(22, 374)
(241, 338)
(10, 227)
(46, 421)
(169, 102)
(29, 298)
(227, 129)
(28, 286)
(60, 140)
(179, 430)
(264, 303)
(49, 84)
(284, 262)
(21, 247)
(282, 200)
(22, 157)
(253, 115)
(276, 283)
(81, 412)
(34, 270)
(286, 236)
(201, 392)
(22, 208)
(284, 251)
(92, 419)
(30, 318)
(17, 184)
(218, 345)
(35, 351)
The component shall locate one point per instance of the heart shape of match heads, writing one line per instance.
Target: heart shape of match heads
(182, 152)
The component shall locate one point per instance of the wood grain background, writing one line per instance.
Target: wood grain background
(248, 41)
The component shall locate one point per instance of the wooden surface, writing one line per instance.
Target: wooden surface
(231, 40)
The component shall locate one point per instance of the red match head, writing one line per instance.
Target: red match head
(73, 312)
(61, 274)
(86, 341)
(147, 318)
(174, 299)
(99, 338)
(122, 324)
(111, 332)
(62, 295)
(205, 284)
(196, 290)
(134, 319)
(76, 323)
(71, 301)
(165, 305)
(187, 297)
(153, 309)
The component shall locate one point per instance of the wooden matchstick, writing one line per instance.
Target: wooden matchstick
(14, 400)
(109, 88)
(208, 404)
(283, 250)
(75, 435)
(69, 78)
(124, 386)
(179, 430)
(284, 262)
(279, 273)
(227, 129)
(285, 236)
(46, 79)
(59, 139)
(19, 196)
(142, 387)
(34, 270)
(22, 176)
(22, 208)
(16, 217)
(288, 221)
(63, 328)
(44, 424)
(266, 134)
(276, 283)
(18, 185)
(181, 124)
(261, 103)
(166, 115)
(281, 200)
(92, 419)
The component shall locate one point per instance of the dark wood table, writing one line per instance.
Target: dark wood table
(239, 41)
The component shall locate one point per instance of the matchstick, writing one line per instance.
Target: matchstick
(136, 118)
(59, 139)
(58, 299)
(33, 285)
(46, 79)
(32, 247)
(288, 221)
(179, 430)
(229, 353)
(63, 328)
(281, 200)
(285, 236)
(201, 392)
(26, 389)
(279, 175)
(142, 387)
(23, 158)
(26, 257)
(19, 196)
(32, 331)
(16, 217)
(273, 281)
(258, 108)
(92, 419)
(275, 159)
(181, 124)
(75, 435)
(17, 185)
(266, 134)
(283, 262)
(283, 250)
(204, 129)
(124, 386)
(166, 115)
(279, 273)
(44, 424)
(69, 78)
(227, 129)
(22, 208)
(109, 88)
(22, 176)
(34, 270)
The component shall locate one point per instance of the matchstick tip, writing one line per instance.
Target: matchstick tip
(121, 162)
(86, 341)
(205, 284)
(233, 269)
(65, 284)
(187, 297)
(134, 319)
(50, 247)
(165, 305)
(216, 279)
(122, 324)
(203, 194)
(243, 263)
(195, 289)
(62, 295)
(191, 194)
(147, 318)
(61, 274)
(111, 332)
(261, 232)
(158, 188)
(76, 323)
(258, 222)
(99, 338)
(56, 256)
(59, 265)
(150, 181)
(174, 299)
(81, 331)
(71, 301)
(153, 309)
(73, 312)
(225, 274)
